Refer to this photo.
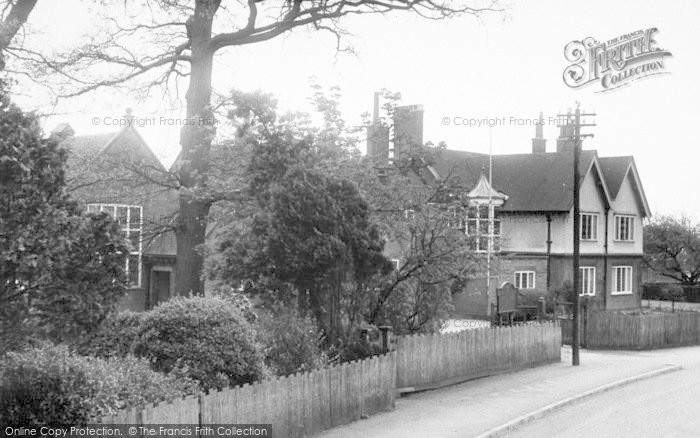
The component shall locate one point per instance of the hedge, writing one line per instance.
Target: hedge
(49, 385)
(209, 339)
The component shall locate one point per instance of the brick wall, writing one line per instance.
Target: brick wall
(603, 299)
(509, 264)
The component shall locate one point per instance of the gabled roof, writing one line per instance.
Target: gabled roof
(532, 182)
(90, 146)
(616, 169)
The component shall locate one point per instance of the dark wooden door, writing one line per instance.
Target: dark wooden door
(160, 290)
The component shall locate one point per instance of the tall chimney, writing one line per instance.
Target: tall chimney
(128, 116)
(565, 142)
(408, 128)
(378, 137)
(375, 114)
(539, 144)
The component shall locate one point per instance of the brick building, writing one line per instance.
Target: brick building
(101, 176)
(532, 206)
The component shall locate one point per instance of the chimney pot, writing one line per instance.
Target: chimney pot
(539, 144)
(128, 115)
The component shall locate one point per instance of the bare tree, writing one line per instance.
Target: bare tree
(167, 40)
(14, 14)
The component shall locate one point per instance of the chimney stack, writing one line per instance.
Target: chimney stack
(378, 137)
(128, 116)
(539, 144)
(565, 142)
(408, 128)
(375, 114)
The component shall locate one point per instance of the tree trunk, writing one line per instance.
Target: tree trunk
(195, 140)
(14, 20)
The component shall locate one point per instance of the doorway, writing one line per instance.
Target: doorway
(160, 287)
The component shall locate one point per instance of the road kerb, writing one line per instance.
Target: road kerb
(539, 413)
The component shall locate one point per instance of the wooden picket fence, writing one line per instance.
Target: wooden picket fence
(607, 330)
(302, 405)
(434, 360)
(298, 405)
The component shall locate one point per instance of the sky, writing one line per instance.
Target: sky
(505, 66)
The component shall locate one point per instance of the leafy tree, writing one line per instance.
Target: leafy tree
(61, 272)
(183, 38)
(308, 236)
(292, 343)
(672, 248)
(314, 234)
(424, 224)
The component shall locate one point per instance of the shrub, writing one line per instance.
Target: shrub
(51, 385)
(292, 343)
(228, 293)
(208, 338)
(115, 337)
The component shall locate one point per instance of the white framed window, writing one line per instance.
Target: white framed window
(589, 226)
(525, 279)
(624, 228)
(587, 280)
(622, 280)
(130, 219)
(478, 227)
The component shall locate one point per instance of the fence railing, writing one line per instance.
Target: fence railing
(605, 330)
(431, 360)
(297, 405)
(671, 305)
(305, 404)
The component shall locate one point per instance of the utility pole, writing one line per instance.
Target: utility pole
(577, 138)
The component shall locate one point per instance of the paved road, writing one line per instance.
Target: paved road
(474, 407)
(665, 406)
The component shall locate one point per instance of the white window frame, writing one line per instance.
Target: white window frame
(630, 227)
(588, 280)
(127, 229)
(491, 235)
(527, 275)
(594, 225)
(627, 280)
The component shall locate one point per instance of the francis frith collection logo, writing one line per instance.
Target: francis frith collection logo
(614, 63)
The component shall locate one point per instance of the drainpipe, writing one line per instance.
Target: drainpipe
(549, 262)
(605, 262)
(549, 249)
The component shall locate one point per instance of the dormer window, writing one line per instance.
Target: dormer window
(130, 219)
